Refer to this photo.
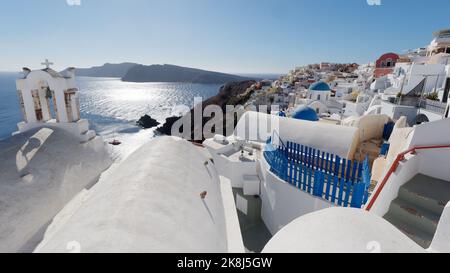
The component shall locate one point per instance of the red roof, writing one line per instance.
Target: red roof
(382, 61)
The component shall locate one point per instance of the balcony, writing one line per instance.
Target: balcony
(436, 107)
(339, 181)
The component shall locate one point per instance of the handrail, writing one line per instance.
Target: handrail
(394, 166)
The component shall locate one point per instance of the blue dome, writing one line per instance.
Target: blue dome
(305, 113)
(320, 86)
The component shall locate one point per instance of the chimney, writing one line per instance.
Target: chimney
(26, 71)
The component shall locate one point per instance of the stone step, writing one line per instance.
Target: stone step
(415, 215)
(427, 192)
(418, 208)
(419, 236)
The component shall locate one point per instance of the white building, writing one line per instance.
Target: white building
(319, 91)
(419, 87)
(319, 97)
(276, 185)
(50, 98)
(48, 162)
(440, 43)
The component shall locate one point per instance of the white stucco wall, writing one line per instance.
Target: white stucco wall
(41, 171)
(432, 116)
(441, 240)
(380, 84)
(405, 172)
(282, 203)
(341, 230)
(397, 111)
(435, 76)
(339, 140)
(432, 133)
(435, 163)
(35, 80)
(149, 203)
(235, 243)
(322, 96)
(233, 169)
(319, 107)
(78, 129)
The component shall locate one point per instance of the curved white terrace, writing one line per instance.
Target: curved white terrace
(341, 230)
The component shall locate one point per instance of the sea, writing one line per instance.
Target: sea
(113, 106)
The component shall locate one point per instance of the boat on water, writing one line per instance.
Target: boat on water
(115, 142)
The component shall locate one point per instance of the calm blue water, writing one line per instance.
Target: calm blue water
(112, 106)
(10, 113)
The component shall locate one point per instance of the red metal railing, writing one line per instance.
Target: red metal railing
(393, 169)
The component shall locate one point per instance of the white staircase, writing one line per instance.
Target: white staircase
(418, 208)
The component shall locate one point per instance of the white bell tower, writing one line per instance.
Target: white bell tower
(50, 99)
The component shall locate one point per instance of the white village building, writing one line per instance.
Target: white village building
(419, 87)
(51, 98)
(320, 98)
(240, 195)
(276, 185)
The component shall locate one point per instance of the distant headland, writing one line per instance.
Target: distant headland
(107, 70)
(132, 72)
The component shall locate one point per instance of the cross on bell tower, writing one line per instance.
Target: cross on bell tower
(47, 63)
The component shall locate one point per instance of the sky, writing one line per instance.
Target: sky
(234, 36)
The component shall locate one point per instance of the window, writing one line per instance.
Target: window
(318, 97)
(389, 62)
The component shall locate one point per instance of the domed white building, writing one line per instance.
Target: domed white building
(319, 91)
(165, 197)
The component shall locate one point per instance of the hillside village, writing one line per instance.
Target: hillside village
(414, 84)
(355, 159)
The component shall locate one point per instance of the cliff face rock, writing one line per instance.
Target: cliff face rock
(147, 122)
(233, 93)
(172, 73)
(166, 129)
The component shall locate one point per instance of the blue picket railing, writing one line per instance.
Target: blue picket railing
(385, 149)
(388, 129)
(340, 181)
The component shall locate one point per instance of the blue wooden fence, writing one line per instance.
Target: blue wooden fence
(388, 129)
(340, 181)
(385, 149)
